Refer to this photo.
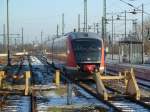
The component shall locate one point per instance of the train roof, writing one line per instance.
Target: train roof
(76, 35)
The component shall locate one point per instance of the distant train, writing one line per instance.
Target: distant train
(78, 53)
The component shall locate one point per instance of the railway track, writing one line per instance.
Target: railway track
(142, 82)
(13, 100)
(142, 72)
(40, 77)
(16, 104)
(120, 104)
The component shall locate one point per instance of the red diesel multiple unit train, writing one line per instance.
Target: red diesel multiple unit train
(78, 53)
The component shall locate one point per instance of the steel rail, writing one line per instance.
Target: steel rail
(93, 92)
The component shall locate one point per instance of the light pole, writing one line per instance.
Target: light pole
(42, 41)
(8, 46)
(52, 50)
(125, 24)
(22, 32)
(57, 31)
(104, 20)
(4, 39)
(85, 16)
(142, 34)
(63, 23)
(112, 37)
(94, 27)
(78, 22)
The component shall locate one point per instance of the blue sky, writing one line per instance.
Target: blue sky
(37, 15)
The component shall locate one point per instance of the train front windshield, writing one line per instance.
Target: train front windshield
(87, 50)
